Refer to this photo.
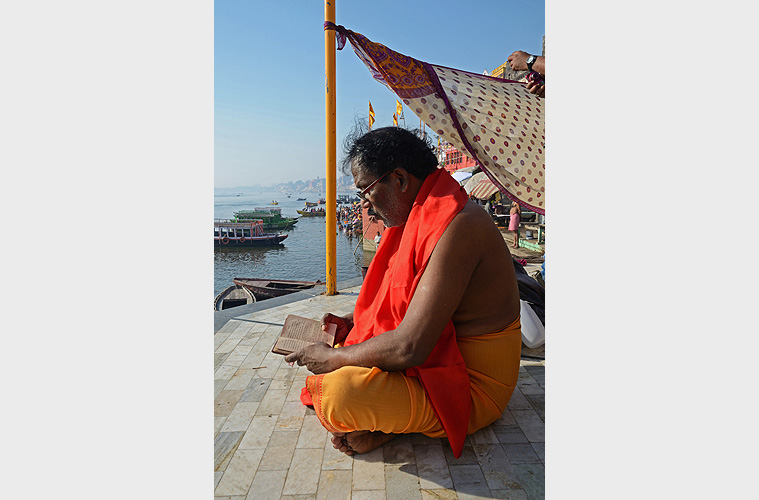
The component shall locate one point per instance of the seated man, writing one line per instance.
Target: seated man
(433, 343)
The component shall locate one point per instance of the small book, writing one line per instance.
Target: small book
(299, 332)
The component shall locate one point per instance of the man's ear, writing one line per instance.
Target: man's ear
(403, 179)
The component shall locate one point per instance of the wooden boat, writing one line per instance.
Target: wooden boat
(312, 213)
(274, 202)
(272, 217)
(322, 201)
(301, 199)
(249, 233)
(344, 198)
(233, 296)
(264, 288)
(311, 203)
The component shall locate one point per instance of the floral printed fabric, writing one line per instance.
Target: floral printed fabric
(498, 122)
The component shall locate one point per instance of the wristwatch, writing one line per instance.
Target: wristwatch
(530, 61)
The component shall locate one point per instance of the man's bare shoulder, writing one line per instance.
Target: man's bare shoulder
(473, 219)
(471, 232)
(475, 211)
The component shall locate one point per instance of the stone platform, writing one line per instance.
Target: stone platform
(268, 445)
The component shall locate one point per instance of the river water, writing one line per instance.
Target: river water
(302, 256)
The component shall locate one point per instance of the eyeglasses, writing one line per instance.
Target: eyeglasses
(362, 194)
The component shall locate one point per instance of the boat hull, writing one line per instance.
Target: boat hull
(306, 213)
(233, 296)
(267, 289)
(256, 241)
(280, 225)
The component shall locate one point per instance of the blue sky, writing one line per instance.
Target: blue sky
(269, 72)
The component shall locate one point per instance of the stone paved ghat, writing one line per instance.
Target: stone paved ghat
(267, 445)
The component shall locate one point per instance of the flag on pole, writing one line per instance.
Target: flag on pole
(371, 115)
(395, 120)
(398, 108)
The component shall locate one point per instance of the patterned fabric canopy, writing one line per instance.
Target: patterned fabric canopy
(497, 122)
(470, 183)
(484, 189)
(480, 186)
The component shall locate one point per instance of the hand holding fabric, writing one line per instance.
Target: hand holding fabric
(537, 89)
(518, 60)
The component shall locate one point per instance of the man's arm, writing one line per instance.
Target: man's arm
(518, 62)
(436, 298)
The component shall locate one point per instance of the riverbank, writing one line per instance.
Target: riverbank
(301, 256)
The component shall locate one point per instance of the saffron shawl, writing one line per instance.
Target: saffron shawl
(387, 290)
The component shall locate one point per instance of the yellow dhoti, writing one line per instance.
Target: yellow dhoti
(354, 398)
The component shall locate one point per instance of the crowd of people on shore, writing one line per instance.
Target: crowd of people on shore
(349, 219)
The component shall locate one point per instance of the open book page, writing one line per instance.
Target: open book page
(299, 332)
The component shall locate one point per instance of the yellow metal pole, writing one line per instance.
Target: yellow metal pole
(331, 105)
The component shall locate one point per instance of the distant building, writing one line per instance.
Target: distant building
(452, 159)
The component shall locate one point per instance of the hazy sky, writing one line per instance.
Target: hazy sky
(269, 72)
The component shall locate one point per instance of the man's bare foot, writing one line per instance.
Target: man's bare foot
(359, 441)
(338, 442)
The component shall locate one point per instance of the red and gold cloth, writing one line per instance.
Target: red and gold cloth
(497, 122)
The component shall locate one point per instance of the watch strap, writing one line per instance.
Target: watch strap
(530, 61)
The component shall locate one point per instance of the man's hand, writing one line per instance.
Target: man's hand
(344, 325)
(537, 89)
(318, 358)
(518, 60)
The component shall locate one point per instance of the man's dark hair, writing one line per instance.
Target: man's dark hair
(384, 149)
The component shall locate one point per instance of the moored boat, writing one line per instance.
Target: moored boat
(274, 202)
(344, 198)
(264, 288)
(233, 296)
(311, 203)
(301, 199)
(312, 213)
(249, 233)
(272, 217)
(322, 201)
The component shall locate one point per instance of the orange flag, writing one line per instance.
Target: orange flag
(398, 108)
(371, 115)
(395, 120)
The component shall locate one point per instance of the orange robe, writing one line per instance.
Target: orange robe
(387, 290)
(356, 398)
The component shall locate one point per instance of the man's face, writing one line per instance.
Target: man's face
(382, 200)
